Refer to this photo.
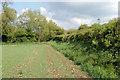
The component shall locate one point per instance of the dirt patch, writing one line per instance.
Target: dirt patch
(70, 66)
(52, 71)
(65, 65)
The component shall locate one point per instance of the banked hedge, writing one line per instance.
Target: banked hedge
(97, 50)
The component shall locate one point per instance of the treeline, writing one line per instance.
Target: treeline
(96, 48)
(30, 26)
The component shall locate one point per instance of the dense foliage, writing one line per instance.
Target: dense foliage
(96, 49)
(29, 26)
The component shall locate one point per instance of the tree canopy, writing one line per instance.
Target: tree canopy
(28, 26)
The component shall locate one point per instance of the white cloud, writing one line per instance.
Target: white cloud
(63, 24)
(75, 22)
(43, 10)
(81, 20)
(48, 15)
(48, 18)
(17, 15)
(66, 24)
(72, 15)
(24, 10)
(107, 18)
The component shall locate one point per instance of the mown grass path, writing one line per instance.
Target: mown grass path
(37, 61)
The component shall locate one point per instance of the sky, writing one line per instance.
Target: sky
(71, 14)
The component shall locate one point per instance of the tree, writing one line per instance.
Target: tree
(51, 28)
(5, 3)
(98, 20)
(40, 26)
(59, 31)
(9, 16)
(29, 26)
(95, 25)
(83, 26)
(54, 29)
(72, 31)
(35, 22)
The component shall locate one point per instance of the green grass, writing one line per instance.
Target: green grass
(0, 61)
(36, 60)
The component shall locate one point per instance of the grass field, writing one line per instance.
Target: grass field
(37, 61)
(0, 61)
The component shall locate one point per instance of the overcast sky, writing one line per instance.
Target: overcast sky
(69, 15)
